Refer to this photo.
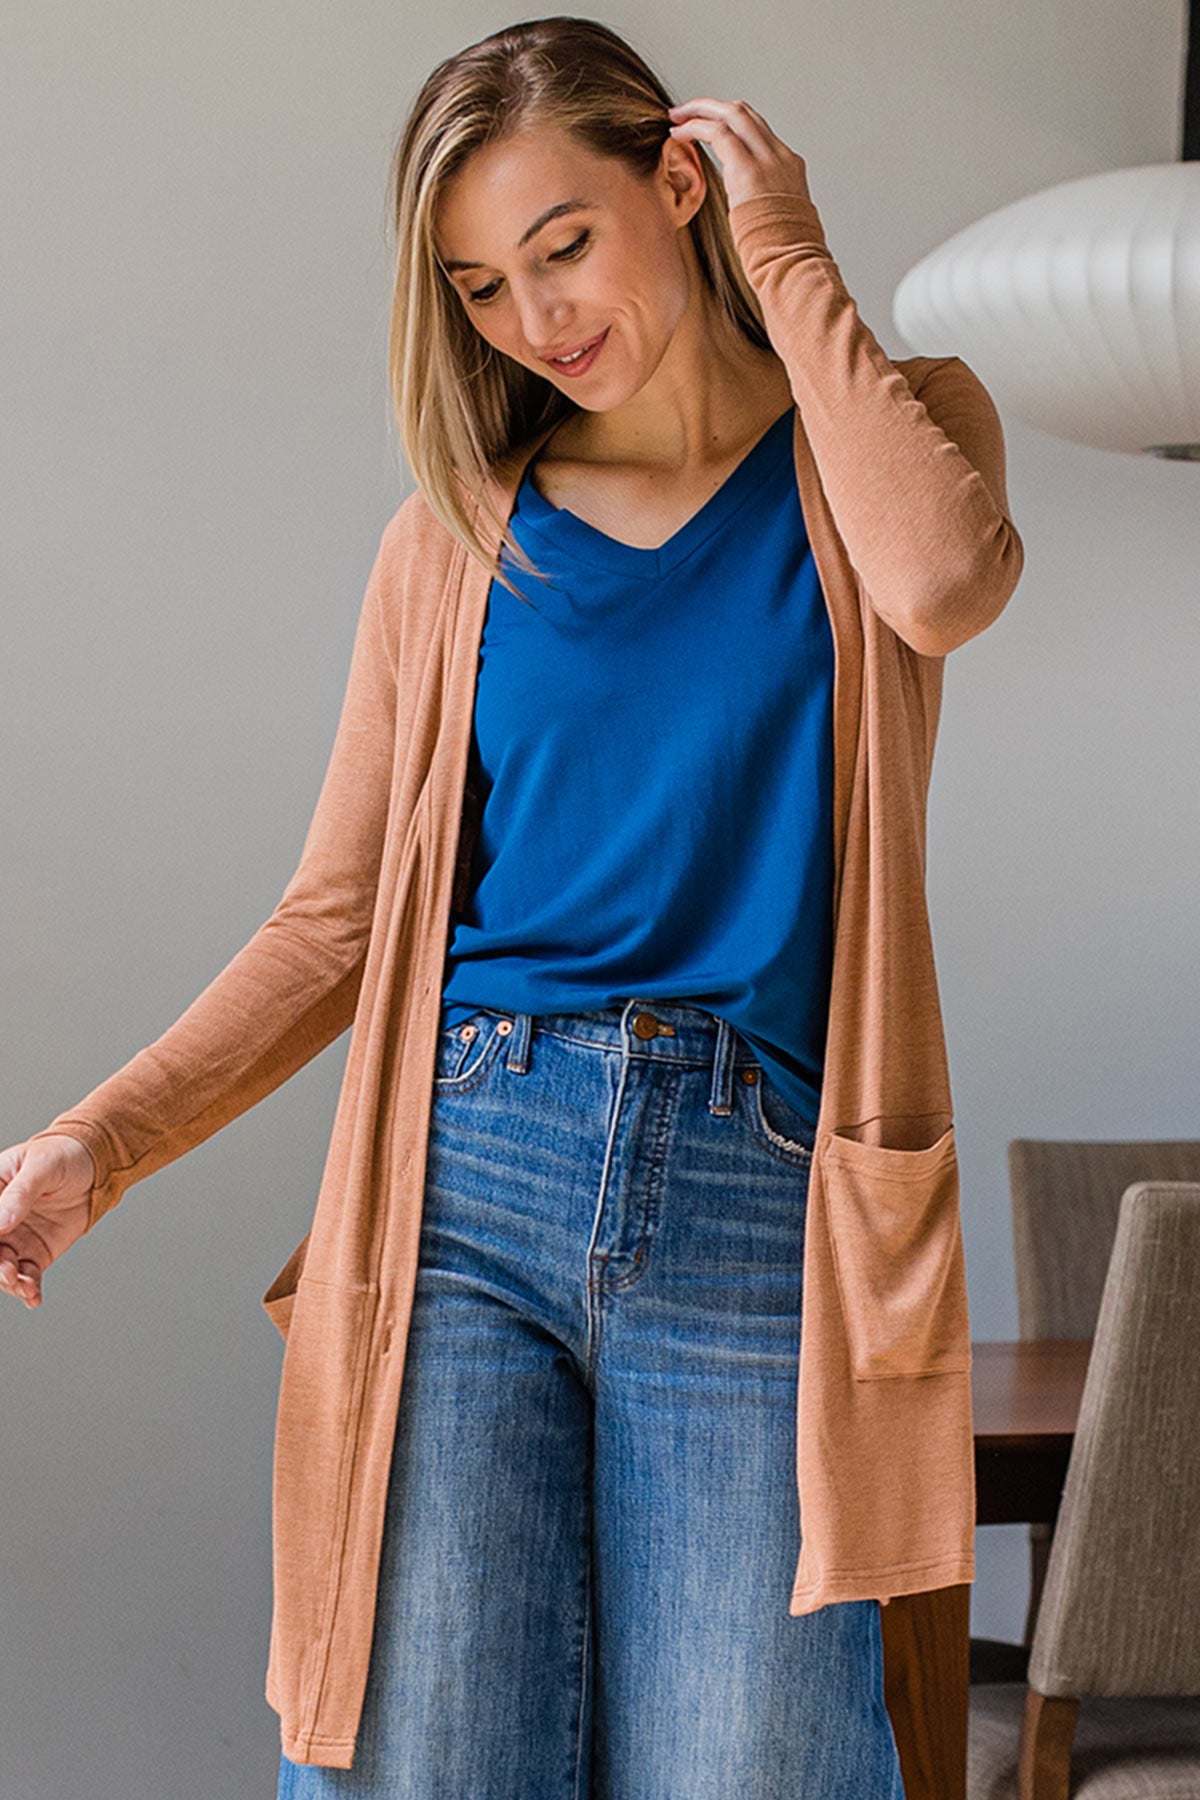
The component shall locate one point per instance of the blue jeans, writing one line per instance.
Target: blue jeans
(592, 1525)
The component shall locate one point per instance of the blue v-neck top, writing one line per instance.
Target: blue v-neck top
(654, 739)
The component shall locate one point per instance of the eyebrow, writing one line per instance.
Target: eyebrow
(551, 212)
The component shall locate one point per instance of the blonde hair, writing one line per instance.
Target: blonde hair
(460, 407)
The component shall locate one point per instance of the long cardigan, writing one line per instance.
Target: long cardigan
(901, 475)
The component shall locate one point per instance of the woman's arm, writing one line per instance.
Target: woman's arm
(293, 988)
(915, 480)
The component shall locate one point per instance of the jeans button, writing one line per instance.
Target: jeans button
(645, 1025)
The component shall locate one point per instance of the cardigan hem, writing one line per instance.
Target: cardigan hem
(902, 1579)
(905, 1578)
(332, 1753)
(309, 1747)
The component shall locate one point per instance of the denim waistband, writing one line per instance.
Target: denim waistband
(676, 1031)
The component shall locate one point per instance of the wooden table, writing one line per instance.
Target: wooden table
(1025, 1397)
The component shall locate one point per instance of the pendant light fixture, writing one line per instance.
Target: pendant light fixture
(1079, 306)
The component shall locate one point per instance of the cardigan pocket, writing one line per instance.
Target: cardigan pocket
(896, 1239)
(280, 1297)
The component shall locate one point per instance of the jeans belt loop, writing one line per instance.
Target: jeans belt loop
(720, 1096)
(518, 1043)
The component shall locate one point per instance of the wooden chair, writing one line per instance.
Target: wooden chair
(1111, 1708)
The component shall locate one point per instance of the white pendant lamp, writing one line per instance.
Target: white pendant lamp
(1079, 307)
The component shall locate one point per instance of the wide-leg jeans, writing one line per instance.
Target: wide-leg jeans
(592, 1522)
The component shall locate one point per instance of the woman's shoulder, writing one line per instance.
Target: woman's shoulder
(417, 542)
(413, 523)
(409, 577)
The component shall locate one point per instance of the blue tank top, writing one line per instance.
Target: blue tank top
(655, 747)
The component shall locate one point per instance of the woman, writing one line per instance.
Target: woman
(618, 875)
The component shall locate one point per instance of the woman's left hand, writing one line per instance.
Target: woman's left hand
(753, 160)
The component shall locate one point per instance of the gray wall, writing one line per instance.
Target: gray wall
(198, 461)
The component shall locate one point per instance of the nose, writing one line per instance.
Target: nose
(543, 321)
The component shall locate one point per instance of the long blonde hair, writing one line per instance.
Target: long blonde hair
(459, 406)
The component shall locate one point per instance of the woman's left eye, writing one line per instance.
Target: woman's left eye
(482, 295)
(571, 249)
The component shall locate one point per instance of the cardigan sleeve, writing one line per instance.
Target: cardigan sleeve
(915, 480)
(293, 988)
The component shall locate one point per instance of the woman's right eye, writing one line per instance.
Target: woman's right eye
(482, 295)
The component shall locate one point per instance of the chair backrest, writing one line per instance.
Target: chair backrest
(1120, 1609)
(1065, 1198)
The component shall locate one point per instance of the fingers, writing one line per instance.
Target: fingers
(12, 1200)
(20, 1277)
(708, 108)
(707, 101)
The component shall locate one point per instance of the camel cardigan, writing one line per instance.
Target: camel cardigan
(901, 473)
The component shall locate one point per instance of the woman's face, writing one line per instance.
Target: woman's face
(613, 262)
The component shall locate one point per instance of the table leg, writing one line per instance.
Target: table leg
(926, 1665)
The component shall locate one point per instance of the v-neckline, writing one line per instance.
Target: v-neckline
(588, 542)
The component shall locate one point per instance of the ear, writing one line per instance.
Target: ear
(686, 181)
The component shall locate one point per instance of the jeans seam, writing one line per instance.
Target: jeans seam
(667, 1108)
(594, 1277)
(683, 1062)
(584, 1659)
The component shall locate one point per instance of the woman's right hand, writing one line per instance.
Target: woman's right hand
(45, 1185)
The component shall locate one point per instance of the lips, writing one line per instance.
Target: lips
(588, 344)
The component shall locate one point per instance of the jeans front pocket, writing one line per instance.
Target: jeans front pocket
(466, 1051)
(777, 1124)
(896, 1238)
